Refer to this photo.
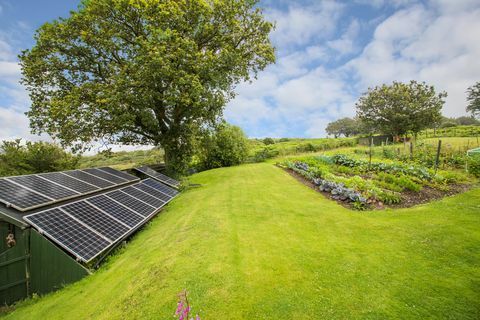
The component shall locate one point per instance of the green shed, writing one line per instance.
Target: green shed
(29, 262)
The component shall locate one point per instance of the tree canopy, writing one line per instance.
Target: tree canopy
(473, 99)
(143, 71)
(400, 107)
(344, 126)
(225, 146)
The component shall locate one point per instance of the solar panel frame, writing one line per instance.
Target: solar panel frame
(116, 210)
(143, 196)
(70, 214)
(70, 234)
(131, 202)
(153, 192)
(91, 179)
(160, 187)
(105, 176)
(70, 182)
(20, 198)
(96, 219)
(158, 176)
(121, 174)
(44, 187)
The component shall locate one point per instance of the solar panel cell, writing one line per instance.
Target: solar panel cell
(104, 175)
(158, 176)
(96, 219)
(116, 210)
(86, 177)
(157, 194)
(19, 197)
(160, 187)
(69, 233)
(132, 203)
(44, 187)
(139, 194)
(120, 174)
(69, 182)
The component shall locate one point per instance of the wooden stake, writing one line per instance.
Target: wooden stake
(437, 159)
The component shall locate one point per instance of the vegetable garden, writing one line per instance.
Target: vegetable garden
(363, 184)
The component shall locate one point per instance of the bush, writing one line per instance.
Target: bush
(268, 141)
(474, 165)
(34, 157)
(224, 147)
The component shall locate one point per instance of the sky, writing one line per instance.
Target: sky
(328, 54)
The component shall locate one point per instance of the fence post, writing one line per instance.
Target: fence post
(411, 150)
(437, 159)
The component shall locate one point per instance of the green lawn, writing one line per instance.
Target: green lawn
(253, 243)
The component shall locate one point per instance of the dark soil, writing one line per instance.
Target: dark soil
(409, 198)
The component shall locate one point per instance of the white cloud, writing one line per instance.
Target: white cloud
(299, 26)
(415, 44)
(346, 43)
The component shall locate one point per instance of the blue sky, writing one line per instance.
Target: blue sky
(328, 53)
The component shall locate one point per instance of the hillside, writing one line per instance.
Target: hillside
(253, 243)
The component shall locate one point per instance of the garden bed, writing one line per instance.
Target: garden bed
(359, 185)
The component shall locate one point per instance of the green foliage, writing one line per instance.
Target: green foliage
(399, 108)
(33, 157)
(268, 141)
(474, 165)
(473, 99)
(226, 146)
(149, 72)
(344, 126)
(122, 160)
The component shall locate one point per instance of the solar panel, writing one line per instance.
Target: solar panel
(105, 175)
(140, 195)
(132, 203)
(120, 174)
(88, 178)
(116, 210)
(44, 187)
(158, 176)
(157, 194)
(69, 233)
(96, 219)
(160, 187)
(19, 197)
(69, 182)
(86, 228)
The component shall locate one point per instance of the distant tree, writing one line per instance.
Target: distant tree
(473, 99)
(467, 121)
(268, 141)
(344, 126)
(400, 108)
(143, 71)
(34, 157)
(226, 146)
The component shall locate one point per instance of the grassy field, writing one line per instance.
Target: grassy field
(122, 160)
(253, 243)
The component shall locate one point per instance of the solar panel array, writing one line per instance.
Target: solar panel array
(88, 227)
(33, 191)
(158, 176)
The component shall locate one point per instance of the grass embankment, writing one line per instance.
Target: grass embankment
(254, 243)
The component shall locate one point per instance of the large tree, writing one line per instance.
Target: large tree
(345, 126)
(143, 71)
(400, 107)
(473, 99)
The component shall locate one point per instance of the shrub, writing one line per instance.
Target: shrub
(224, 147)
(268, 141)
(474, 165)
(34, 157)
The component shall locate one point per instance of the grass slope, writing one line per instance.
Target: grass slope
(253, 243)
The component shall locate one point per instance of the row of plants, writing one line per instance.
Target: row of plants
(364, 184)
(282, 147)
